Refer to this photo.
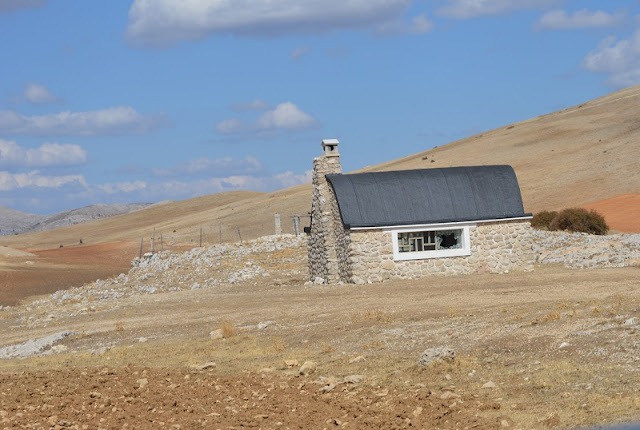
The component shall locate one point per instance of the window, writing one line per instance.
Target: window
(419, 244)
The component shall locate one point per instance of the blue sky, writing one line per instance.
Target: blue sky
(125, 101)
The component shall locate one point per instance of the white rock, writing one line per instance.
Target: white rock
(489, 385)
(307, 368)
(216, 334)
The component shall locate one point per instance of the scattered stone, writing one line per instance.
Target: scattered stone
(449, 395)
(207, 365)
(327, 388)
(383, 393)
(563, 345)
(142, 339)
(417, 411)
(441, 353)
(489, 385)
(631, 321)
(33, 346)
(357, 359)
(263, 325)
(142, 382)
(307, 368)
(59, 348)
(216, 334)
(353, 379)
(291, 363)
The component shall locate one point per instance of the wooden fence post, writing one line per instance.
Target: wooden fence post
(239, 235)
(141, 243)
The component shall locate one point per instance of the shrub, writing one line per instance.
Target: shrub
(579, 220)
(543, 219)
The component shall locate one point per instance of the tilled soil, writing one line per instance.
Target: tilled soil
(151, 398)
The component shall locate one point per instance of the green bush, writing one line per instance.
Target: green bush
(541, 220)
(579, 220)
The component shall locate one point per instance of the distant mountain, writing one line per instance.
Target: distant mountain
(15, 222)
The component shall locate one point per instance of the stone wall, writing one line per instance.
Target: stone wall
(495, 248)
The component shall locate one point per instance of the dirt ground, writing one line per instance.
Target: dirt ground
(555, 348)
(621, 212)
(36, 272)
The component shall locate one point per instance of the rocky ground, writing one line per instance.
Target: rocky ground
(232, 336)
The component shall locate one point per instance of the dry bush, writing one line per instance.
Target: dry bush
(228, 329)
(119, 326)
(543, 219)
(327, 349)
(377, 315)
(278, 344)
(579, 220)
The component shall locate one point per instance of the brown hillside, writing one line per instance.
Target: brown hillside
(572, 157)
(622, 212)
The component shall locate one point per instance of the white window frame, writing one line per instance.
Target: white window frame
(465, 250)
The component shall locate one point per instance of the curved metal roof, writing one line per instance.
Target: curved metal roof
(427, 196)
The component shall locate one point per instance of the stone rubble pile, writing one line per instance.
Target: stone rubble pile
(235, 264)
(217, 265)
(582, 250)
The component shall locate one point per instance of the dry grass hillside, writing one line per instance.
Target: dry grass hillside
(580, 155)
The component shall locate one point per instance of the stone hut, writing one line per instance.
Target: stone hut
(370, 227)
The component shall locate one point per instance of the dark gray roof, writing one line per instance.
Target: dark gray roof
(427, 196)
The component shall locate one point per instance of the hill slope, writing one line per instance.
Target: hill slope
(573, 157)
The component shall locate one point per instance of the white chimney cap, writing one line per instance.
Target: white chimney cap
(330, 147)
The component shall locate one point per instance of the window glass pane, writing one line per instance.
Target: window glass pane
(449, 239)
(421, 241)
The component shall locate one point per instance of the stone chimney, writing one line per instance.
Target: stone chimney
(327, 233)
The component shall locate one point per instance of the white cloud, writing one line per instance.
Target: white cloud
(38, 94)
(213, 167)
(7, 6)
(163, 22)
(618, 58)
(47, 155)
(465, 9)
(559, 19)
(188, 189)
(231, 126)
(15, 181)
(285, 116)
(113, 121)
(299, 52)
(122, 187)
(421, 24)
